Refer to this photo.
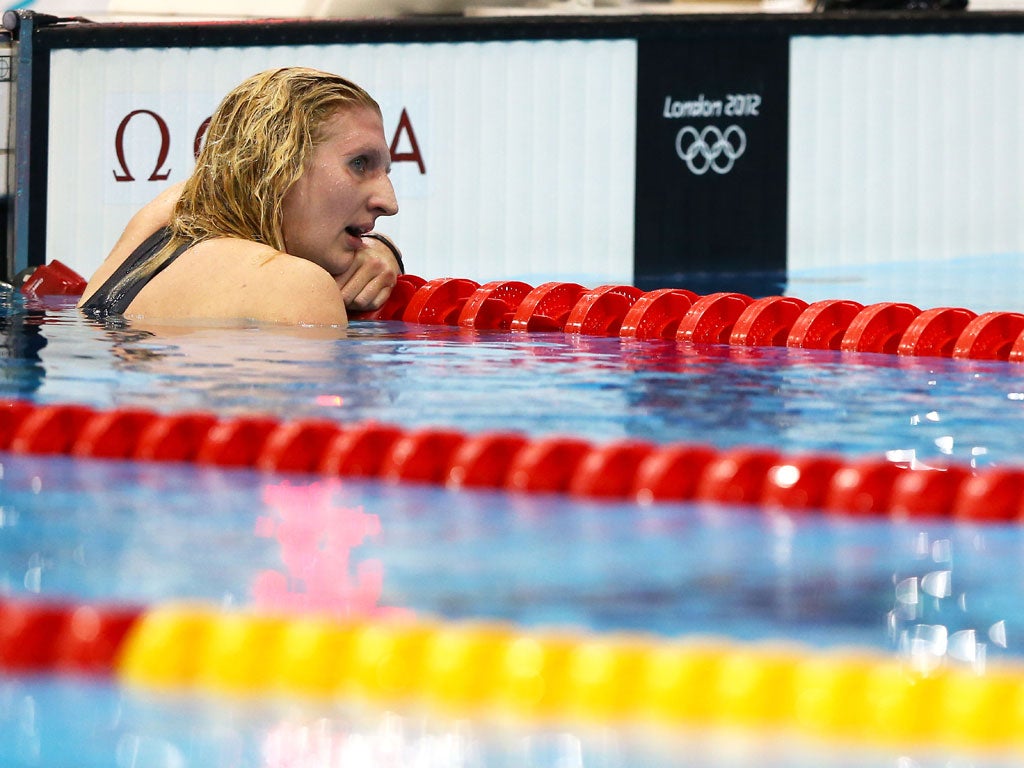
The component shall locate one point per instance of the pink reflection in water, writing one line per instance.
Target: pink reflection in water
(317, 536)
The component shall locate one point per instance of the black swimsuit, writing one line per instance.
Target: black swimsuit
(106, 301)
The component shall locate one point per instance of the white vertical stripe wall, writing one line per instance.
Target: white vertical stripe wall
(904, 148)
(529, 147)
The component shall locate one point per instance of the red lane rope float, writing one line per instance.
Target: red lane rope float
(40, 636)
(600, 312)
(493, 305)
(990, 336)
(823, 324)
(546, 307)
(657, 314)
(711, 318)
(879, 328)
(767, 322)
(439, 301)
(54, 279)
(114, 434)
(934, 332)
(718, 318)
(626, 470)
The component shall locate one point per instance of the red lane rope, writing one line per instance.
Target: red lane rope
(626, 470)
(718, 318)
(49, 636)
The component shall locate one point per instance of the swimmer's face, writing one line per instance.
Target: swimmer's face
(343, 190)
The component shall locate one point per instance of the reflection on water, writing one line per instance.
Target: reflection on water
(932, 593)
(21, 341)
(317, 534)
(953, 600)
(53, 722)
(122, 532)
(929, 410)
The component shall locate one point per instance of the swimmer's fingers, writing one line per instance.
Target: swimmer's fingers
(372, 296)
(368, 281)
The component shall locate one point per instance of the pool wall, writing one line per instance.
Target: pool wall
(644, 150)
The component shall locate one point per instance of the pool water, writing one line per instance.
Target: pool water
(538, 384)
(929, 592)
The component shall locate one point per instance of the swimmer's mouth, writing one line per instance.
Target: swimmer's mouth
(356, 231)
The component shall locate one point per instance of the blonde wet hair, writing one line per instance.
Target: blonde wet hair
(257, 145)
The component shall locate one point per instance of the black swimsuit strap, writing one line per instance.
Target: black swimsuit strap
(112, 298)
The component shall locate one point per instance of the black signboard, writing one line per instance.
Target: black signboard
(711, 160)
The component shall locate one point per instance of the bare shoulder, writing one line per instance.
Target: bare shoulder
(232, 278)
(296, 291)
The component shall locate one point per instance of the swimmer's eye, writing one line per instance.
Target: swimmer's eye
(359, 164)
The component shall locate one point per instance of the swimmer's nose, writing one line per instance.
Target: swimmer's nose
(383, 200)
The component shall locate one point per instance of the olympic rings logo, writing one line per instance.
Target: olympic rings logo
(710, 148)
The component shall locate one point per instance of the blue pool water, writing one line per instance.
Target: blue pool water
(540, 384)
(144, 534)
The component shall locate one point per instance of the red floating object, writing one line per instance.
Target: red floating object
(934, 332)
(92, 638)
(50, 429)
(113, 434)
(600, 311)
(799, 482)
(297, 446)
(547, 465)
(609, 471)
(711, 318)
(54, 279)
(12, 413)
(879, 328)
(395, 304)
(671, 473)
(546, 307)
(493, 305)
(863, 488)
(28, 634)
(926, 492)
(766, 322)
(1017, 350)
(990, 336)
(657, 314)
(484, 461)
(359, 451)
(236, 443)
(995, 495)
(822, 324)
(439, 301)
(421, 456)
(175, 437)
(737, 476)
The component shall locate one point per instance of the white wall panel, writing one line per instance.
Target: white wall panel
(904, 148)
(529, 147)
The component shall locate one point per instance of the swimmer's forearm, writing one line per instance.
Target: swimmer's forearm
(390, 246)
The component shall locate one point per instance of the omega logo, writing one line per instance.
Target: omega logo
(403, 130)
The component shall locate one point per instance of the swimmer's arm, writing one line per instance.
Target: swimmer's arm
(151, 217)
(368, 281)
(297, 292)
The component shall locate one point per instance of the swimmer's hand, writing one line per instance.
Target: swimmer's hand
(368, 281)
